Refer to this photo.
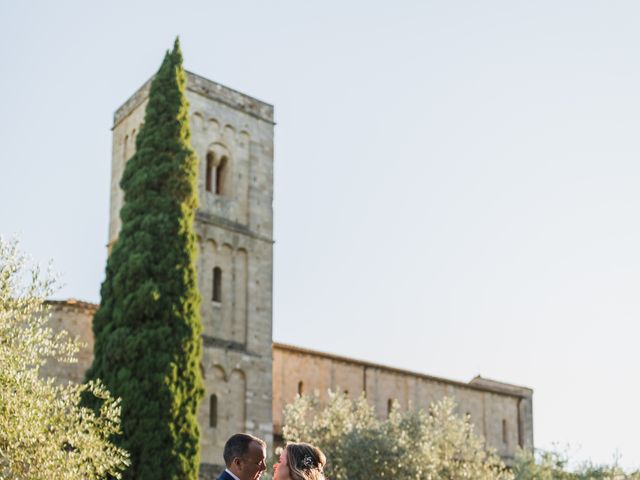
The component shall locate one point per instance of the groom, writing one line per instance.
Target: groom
(245, 457)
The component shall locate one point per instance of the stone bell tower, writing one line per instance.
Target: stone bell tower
(232, 134)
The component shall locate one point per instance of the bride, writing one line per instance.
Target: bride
(300, 461)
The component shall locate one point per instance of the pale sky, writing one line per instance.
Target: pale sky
(456, 182)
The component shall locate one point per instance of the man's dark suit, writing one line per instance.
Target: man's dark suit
(225, 476)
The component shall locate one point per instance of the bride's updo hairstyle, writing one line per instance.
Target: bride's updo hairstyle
(305, 461)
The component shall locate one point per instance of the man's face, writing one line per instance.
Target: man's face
(253, 463)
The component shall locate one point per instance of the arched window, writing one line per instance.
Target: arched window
(389, 406)
(216, 295)
(504, 431)
(209, 173)
(300, 388)
(221, 176)
(213, 411)
(124, 147)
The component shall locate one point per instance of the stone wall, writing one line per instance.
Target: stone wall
(499, 411)
(75, 317)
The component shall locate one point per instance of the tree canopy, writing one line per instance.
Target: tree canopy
(44, 432)
(412, 444)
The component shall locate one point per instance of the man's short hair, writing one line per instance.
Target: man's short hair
(238, 446)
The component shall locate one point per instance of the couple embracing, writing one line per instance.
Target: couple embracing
(245, 458)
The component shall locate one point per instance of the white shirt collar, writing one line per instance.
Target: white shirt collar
(232, 475)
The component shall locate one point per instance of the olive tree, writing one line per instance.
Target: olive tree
(554, 465)
(44, 433)
(415, 444)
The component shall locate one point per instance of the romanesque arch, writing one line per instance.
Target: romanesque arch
(218, 170)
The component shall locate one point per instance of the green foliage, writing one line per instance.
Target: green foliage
(413, 444)
(438, 445)
(44, 433)
(554, 466)
(147, 329)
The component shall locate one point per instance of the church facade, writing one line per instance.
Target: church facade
(249, 379)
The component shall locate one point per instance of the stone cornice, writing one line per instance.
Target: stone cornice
(230, 225)
(207, 88)
(73, 304)
(490, 386)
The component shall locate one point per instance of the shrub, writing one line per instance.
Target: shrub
(411, 444)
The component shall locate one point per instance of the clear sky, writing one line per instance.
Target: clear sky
(456, 185)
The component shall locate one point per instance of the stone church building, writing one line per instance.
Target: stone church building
(248, 378)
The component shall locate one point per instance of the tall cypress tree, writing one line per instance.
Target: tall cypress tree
(147, 329)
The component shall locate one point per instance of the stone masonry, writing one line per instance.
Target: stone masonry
(502, 413)
(247, 378)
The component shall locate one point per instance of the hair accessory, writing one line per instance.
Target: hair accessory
(308, 462)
